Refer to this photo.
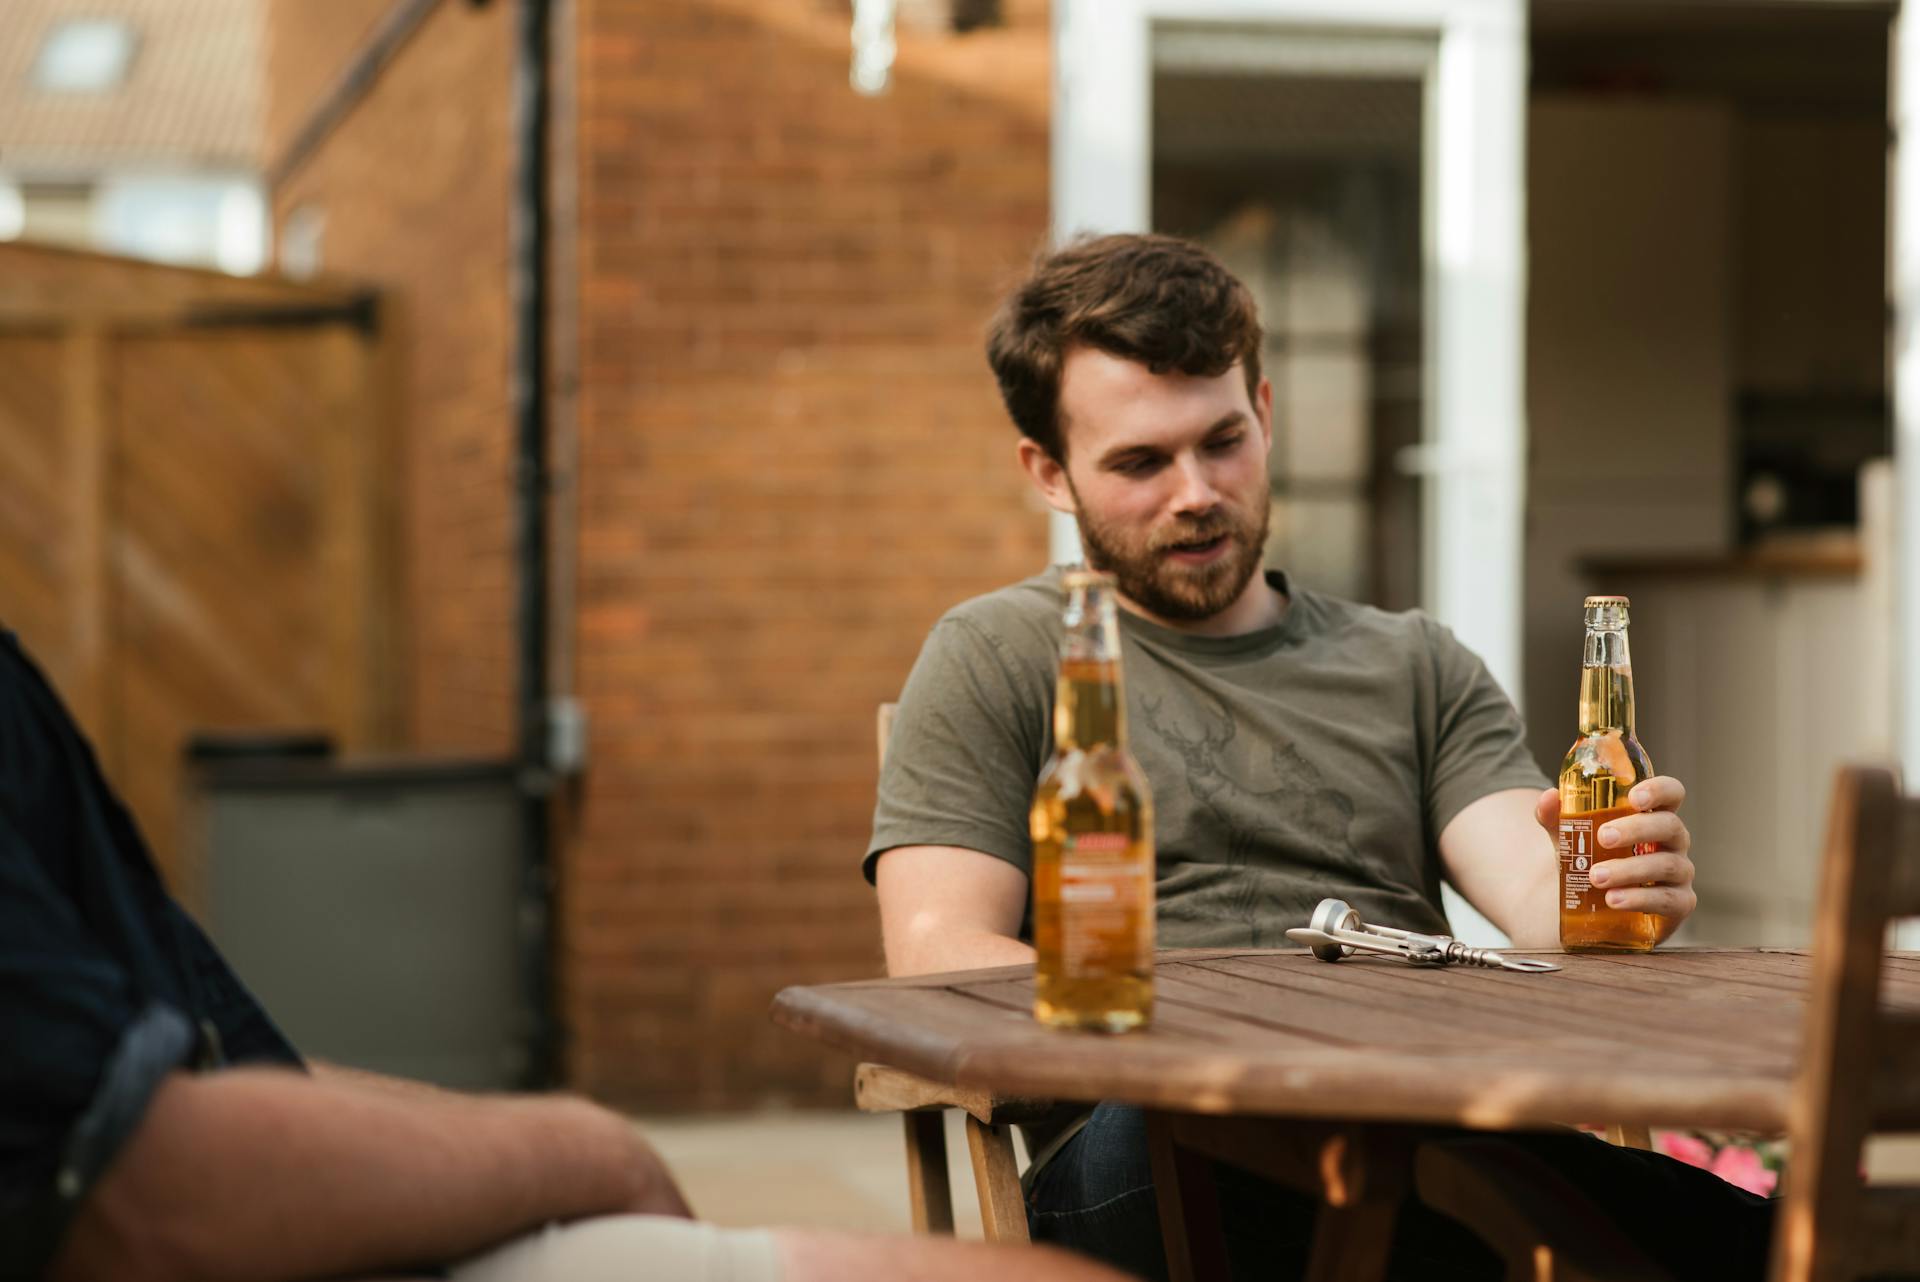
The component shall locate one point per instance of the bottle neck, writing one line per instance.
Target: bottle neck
(1606, 682)
(1089, 705)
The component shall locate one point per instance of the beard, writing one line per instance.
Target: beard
(1148, 576)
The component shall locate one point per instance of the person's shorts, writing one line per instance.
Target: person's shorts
(629, 1248)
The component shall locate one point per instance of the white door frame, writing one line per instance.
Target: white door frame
(1475, 452)
(1903, 288)
(1903, 253)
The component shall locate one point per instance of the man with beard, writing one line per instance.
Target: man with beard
(1298, 746)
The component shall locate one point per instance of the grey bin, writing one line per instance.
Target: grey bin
(374, 908)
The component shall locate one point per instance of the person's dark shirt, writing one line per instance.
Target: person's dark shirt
(106, 985)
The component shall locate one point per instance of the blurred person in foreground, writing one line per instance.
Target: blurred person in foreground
(1298, 747)
(155, 1124)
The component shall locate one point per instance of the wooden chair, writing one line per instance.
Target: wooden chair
(1862, 1071)
(989, 1122)
(923, 1105)
(1861, 1074)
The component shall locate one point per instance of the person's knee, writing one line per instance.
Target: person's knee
(1108, 1159)
(612, 1248)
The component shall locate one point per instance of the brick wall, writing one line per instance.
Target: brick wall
(414, 185)
(309, 42)
(792, 461)
(790, 457)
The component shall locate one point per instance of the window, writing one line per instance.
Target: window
(1297, 158)
(302, 238)
(57, 213)
(13, 211)
(85, 55)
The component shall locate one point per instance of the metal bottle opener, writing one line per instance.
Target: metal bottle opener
(1337, 930)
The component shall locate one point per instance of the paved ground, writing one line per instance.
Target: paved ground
(848, 1170)
(827, 1170)
(1894, 1160)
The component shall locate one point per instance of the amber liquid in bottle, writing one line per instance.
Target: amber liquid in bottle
(1092, 829)
(1603, 765)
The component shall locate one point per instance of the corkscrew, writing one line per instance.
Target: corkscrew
(1337, 930)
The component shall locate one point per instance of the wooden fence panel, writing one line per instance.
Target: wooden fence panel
(242, 549)
(195, 516)
(34, 545)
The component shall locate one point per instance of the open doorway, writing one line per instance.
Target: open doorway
(1297, 157)
(1707, 397)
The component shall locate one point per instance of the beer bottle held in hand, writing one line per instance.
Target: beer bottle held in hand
(1603, 765)
(1092, 827)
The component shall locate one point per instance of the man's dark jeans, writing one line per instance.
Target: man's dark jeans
(1096, 1197)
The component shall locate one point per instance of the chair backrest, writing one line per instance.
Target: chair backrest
(1861, 1073)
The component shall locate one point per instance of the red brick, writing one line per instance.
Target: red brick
(791, 461)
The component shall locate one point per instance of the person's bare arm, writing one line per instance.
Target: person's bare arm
(1496, 854)
(347, 1075)
(1499, 852)
(266, 1174)
(948, 908)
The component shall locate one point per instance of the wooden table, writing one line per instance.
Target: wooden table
(1355, 1054)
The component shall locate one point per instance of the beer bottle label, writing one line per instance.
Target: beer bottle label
(1576, 860)
(1102, 897)
(1580, 850)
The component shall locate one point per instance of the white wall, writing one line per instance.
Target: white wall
(1629, 351)
(202, 221)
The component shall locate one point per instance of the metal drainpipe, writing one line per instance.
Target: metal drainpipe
(528, 272)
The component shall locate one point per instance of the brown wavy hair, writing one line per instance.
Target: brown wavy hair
(1158, 300)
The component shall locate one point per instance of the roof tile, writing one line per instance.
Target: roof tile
(193, 92)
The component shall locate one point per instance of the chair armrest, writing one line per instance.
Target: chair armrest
(880, 1089)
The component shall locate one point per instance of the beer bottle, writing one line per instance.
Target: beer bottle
(1603, 765)
(1092, 827)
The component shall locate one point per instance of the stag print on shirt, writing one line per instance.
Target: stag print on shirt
(1265, 798)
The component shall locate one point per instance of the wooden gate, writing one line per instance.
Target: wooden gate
(195, 525)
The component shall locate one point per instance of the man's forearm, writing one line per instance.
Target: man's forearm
(1498, 853)
(1528, 909)
(366, 1079)
(263, 1174)
(1534, 920)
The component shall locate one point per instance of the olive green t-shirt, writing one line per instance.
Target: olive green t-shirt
(1319, 757)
